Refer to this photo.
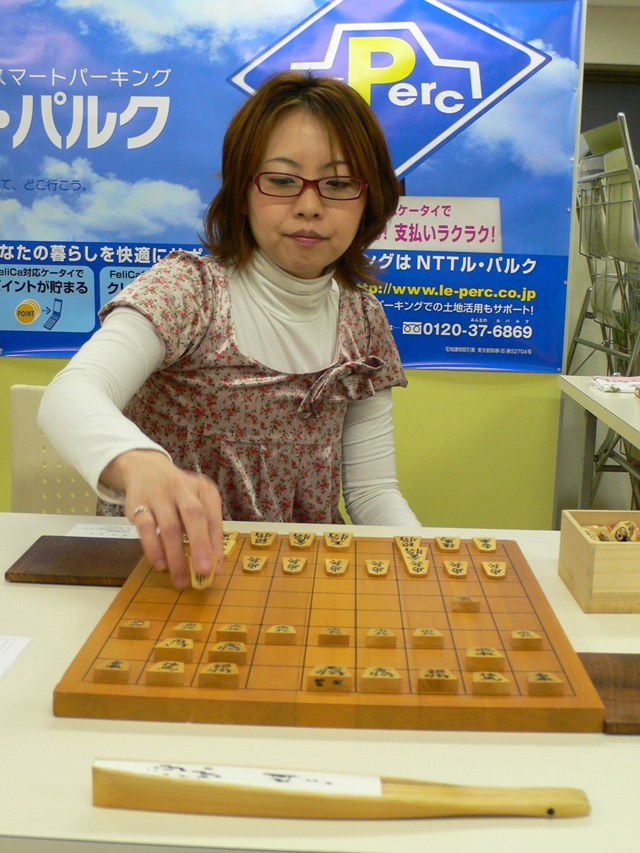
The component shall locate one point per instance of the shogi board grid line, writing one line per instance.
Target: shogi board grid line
(508, 604)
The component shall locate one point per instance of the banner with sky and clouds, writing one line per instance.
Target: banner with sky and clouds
(112, 115)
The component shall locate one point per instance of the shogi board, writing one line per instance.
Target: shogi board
(273, 683)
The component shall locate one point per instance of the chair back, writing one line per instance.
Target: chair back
(41, 481)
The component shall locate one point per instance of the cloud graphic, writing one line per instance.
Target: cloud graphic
(151, 25)
(109, 209)
(533, 126)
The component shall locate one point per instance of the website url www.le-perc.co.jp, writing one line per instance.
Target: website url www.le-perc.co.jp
(388, 289)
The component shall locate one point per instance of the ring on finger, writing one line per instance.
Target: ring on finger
(139, 509)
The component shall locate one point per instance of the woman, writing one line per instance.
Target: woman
(256, 379)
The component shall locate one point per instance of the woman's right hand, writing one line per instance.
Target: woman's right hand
(164, 503)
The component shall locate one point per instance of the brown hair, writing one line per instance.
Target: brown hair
(352, 126)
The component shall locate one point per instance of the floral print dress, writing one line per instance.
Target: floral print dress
(270, 440)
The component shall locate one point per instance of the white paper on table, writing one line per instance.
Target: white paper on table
(105, 531)
(10, 648)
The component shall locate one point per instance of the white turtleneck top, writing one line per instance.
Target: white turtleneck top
(287, 324)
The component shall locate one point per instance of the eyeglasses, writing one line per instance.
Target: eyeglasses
(335, 188)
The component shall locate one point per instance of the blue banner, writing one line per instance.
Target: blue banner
(112, 117)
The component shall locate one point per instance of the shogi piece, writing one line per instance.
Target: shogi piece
(165, 673)
(381, 638)
(301, 540)
(201, 581)
(334, 636)
(229, 541)
(417, 568)
(490, 684)
(437, 681)
(293, 565)
(428, 638)
(526, 641)
(544, 684)
(381, 679)
(377, 568)
(336, 567)
(485, 544)
(495, 571)
(111, 671)
(403, 542)
(188, 630)
(262, 539)
(134, 629)
(338, 541)
(176, 648)
(448, 544)
(219, 675)
(281, 635)
(465, 604)
(330, 679)
(253, 565)
(228, 652)
(232, 631)
(484, 659)
(456, 568)
(410, 555)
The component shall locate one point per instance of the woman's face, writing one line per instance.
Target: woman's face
(305, 234)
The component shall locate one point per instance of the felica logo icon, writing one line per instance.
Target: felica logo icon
(428, 70)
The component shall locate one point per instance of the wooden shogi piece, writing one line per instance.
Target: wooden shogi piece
(175, 648)
(112, 671)
(263, 539)
(225, 675)
(188, 630)
(456, 568)
(281, 635)
(293, 565)
(484, 659)
(527, 641)
(229, 541)
(134, 629)
(335, 567)
(417, 568)
(437, 681)
(495, 571)
(338, 541)
(165, 673)
(544, 684)
(448, 544)
(381, 638)
(330, 679)
(381, 679)
(490, 684)
(334, 636)
(302, 540)
(377, 568)
(233, 631)
(465, 604)
(253, 564)
(427, 638)
(403, 542)
(228, 652)
(485, 544)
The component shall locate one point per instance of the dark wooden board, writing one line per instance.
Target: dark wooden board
(616, 677)
(77, 560)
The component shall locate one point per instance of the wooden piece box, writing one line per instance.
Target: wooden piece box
(603, 577)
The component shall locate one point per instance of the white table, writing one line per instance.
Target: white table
(45, 762)
(620, 412)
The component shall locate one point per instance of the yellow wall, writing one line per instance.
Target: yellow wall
(473, 449)
(478, 449)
